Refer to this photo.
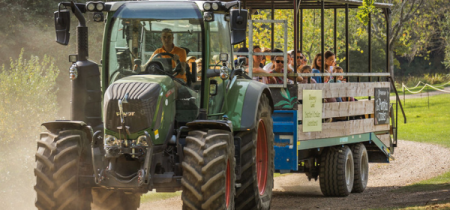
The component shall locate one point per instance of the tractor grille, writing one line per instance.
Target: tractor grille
(142, 99)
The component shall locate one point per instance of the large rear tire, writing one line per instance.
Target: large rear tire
(57, 171)
(361, 160)
(208, 170)
(104, 199)
(257, 161)
(336, 171)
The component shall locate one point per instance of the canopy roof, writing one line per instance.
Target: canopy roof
(305, 4)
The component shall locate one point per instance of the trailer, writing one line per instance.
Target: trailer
(333, 142)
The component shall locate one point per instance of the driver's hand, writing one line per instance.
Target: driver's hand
(176, 57)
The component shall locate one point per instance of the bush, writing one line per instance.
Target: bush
(28, 98)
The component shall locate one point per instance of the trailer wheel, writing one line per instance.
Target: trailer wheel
(257, 162)
(361, 160)
(208, 170)
(104, 199)
(57, 171)
(336, 171)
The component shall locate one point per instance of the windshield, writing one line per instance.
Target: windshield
(137, 34)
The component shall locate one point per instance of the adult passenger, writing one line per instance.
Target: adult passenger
(269, 67)
(279, 64)
(316, 67)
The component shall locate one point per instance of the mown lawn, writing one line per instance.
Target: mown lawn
(429, 125)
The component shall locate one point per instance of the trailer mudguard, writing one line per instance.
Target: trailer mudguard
(242, 103)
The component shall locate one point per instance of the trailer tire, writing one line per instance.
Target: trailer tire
(336, 171)
(208, 170)
(58, 170)
(104, 199)
(361, 160)
(257, 179)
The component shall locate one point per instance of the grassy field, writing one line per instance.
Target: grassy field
(430, 125)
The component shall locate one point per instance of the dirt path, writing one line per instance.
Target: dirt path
(413, 162)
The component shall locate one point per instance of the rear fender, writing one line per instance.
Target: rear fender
(242, 102)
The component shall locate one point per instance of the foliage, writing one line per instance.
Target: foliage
(365, 10)
(28, 93)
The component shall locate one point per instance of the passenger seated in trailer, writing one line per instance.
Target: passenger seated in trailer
(256, 63)
(306, 70)
(266, 58)
(279, 64)
(301, 61)
(329, 100)
(330, 60)
(269, 67)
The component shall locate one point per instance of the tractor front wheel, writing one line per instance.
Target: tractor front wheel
(57, 171)
(208, 170)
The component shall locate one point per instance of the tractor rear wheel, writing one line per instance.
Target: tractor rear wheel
(257, 161)
(336, 171)
(104, 199)
(361, 160)
(208, 170)
(57, 171)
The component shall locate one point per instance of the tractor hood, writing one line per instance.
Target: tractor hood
(142, 98)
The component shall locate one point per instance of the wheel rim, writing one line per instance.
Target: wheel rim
(348, 170)
(228, 183)
(261, 157)
(364, 167)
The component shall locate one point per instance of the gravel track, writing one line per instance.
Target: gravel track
(413, 162)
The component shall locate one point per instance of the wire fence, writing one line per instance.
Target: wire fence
(440, 88)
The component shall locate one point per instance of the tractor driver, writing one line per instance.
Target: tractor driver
(177, 52)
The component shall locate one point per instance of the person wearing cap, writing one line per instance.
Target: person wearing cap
(177, 52)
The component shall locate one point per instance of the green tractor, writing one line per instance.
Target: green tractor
(149, 120)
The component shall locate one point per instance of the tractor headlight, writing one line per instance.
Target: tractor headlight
(99, 7)
(215, 6)
(207, 6)
(90, 6)
(142, 141)
(111, 141)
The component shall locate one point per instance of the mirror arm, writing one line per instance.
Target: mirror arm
(77, 12)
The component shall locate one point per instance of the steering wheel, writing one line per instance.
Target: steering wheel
(177, 68)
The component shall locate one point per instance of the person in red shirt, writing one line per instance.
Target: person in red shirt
(177, 52)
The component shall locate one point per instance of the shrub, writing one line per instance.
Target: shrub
(27, 99)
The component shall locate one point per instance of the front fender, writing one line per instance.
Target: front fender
(242, 103)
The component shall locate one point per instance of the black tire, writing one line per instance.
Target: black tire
(208, 170)
(248, 196)
(57, 171)
(104, 199)
(336, 171)
(361, 161)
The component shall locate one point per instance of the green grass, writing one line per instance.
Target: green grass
(430, 125)
(441, 182)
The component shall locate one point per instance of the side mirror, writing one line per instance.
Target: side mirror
(242, 61)
(212, 87)
(62, 26)
(238, 22)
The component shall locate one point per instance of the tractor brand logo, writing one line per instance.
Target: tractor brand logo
(125, 114)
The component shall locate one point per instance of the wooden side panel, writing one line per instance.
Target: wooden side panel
(343, 128)
(343, 109)
(333, 90)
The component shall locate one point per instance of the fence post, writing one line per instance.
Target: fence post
(428, 93)
(403, 89)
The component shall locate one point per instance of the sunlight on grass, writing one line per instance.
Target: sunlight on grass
(154, 196)
(429, 125)
(441, 182)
